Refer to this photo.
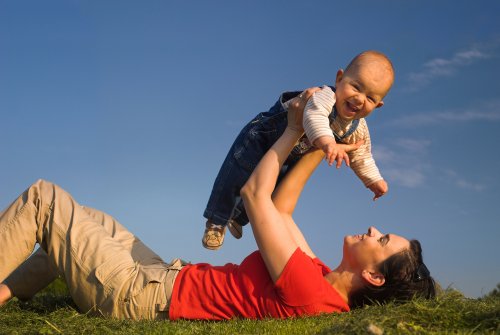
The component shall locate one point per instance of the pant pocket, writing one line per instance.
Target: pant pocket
(152, 273)
(145, 274)
(113, 274)
(148, 294)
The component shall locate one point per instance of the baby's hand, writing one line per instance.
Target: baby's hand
(379, 188)
(333, 151)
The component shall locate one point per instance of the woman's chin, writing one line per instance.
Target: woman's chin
(348, 239)
(352, 239)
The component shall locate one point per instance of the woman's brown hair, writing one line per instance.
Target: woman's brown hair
(406, 277)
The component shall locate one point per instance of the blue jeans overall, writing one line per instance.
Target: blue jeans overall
(254, 140)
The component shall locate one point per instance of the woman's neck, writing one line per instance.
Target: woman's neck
(342, 281)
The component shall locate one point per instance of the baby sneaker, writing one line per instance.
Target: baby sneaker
(213, 236)
(235, 228)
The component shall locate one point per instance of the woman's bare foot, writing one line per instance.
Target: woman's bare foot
(5, 294)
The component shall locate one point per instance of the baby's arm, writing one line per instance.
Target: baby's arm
(317, 126)
(363, 164)
(379, 188)
(367, 171)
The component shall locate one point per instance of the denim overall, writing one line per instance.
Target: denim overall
(254, 140)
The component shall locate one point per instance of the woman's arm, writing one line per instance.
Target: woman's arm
(287, 194)
(274, 239)
(275, 232)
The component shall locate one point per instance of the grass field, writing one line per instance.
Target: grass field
(52, 312)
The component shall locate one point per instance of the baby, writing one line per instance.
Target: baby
(332, 115)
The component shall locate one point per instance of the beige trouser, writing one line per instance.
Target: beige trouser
(107, 269)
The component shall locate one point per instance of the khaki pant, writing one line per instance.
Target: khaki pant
(107, 269)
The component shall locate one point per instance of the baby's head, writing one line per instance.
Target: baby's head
(362, 86)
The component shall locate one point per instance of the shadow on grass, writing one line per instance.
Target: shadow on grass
(47, 303)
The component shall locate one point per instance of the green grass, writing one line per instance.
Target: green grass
(53, 312)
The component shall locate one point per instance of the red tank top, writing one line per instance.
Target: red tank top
(203, 291)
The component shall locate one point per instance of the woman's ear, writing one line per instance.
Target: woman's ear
(374, 278)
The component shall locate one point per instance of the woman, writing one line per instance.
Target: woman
(110, 272)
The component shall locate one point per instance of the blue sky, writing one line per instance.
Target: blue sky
(132, 105)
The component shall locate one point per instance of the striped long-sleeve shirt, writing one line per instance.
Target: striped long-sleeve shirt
(317, 123)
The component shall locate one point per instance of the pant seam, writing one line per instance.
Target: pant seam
(16, 217)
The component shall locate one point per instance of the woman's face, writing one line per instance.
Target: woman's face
(367, 251)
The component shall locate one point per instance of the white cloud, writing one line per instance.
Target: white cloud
(413, 146)
(410, 177)
(403, 163)
(383, 154)
(485, 111)
(462, 183)
(441, 67)
(457, 180)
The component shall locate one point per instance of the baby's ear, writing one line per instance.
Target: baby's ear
(340, 74)
(374, 278)
(380, 104)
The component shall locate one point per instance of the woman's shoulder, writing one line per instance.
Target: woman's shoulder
(302, 283)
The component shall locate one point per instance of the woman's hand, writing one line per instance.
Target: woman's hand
(296, 109)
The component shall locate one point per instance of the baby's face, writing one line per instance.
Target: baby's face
(361, 89)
